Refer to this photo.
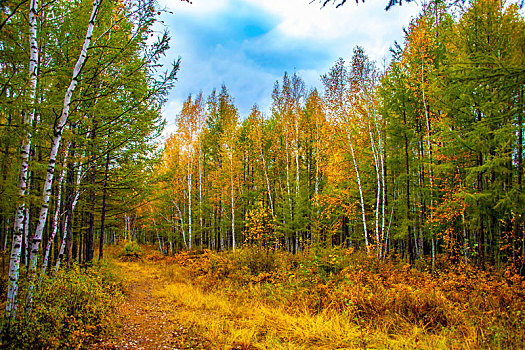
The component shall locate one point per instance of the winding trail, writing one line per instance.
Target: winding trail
(148, 321)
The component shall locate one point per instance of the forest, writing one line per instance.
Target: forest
(398, 182)
(420, 158)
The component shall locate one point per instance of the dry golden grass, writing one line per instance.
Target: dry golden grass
(229, 321)
(245, 319)
(322, 302)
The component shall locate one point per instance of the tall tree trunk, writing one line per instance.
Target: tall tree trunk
(90, 234)
(429, 147)
(378, 179)
(232, 200)
(14, 261)
(520, 174)
(407, 173)
(267, 183)
(56, 218)
(189, 199)
(161, 248)
(58, 137)
(68, 221)
(383, 181)
(37, 238)
(181, 216)
(361, 197)
(103, 214)
(25, 241)
(221, 235)
(317, 178)
(201, 223)
(288, 191)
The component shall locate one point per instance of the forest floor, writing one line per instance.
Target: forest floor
(318, 300)
(148, 321)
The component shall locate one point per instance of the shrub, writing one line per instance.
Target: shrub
(457, 305)
(70, 311)
(131, 252)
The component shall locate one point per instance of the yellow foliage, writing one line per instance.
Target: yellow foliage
(336, 299)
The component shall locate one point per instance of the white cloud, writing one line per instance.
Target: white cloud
(216, 46)
(306, 19)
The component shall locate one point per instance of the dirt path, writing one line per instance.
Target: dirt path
(147, 321)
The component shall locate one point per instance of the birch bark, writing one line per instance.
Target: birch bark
(429, 146)
(58, 137)
(56, 218)
(37, 238)
(267, 183)
(361, 197)
(378, 196)
(68, 220)
(181, 216)
(232, 199)
(201, 224)
(16, 249)
(190, 165)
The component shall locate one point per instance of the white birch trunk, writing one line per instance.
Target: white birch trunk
(54, 229)
(383, 184)
(126, 227)
(189, 201)
(232, 200)
(429, 146)
(297, 156)
(317, 151)
(378, 197)
(297, 178)
(16, 249)
(73, 205)
(158, 237)
(62, 247)
(48, 183)
(200, 194)
(37, 238)
(267, 183)
(360, 193)
(220, 231)
(26, 229)
(181, 224)
(289, 200)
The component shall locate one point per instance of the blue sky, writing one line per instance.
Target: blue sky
(249, 44)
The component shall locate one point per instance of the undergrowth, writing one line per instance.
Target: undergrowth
(130, 252)
(69, 311)
(342, 299)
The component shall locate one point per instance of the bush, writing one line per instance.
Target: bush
(257, 260)
(70, 311)
(131, 252)
(458, 305)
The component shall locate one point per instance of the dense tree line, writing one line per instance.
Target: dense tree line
(420, 159)
(80, 101)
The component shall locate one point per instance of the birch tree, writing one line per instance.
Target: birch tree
(37, 238)
(339, 112)
(14, 261)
